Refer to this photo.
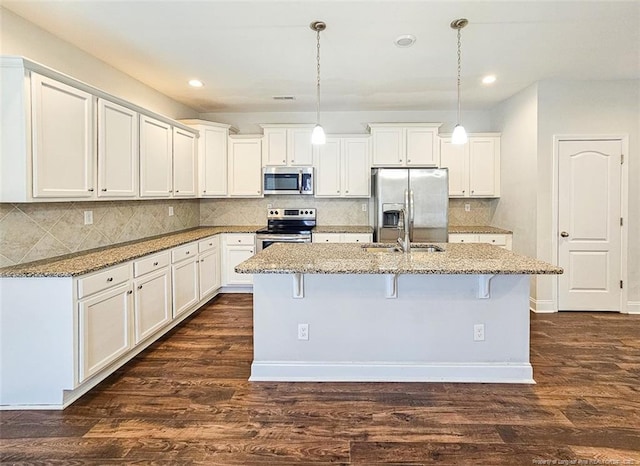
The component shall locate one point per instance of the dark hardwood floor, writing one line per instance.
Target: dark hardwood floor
(186, 400)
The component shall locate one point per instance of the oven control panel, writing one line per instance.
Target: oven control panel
(291, 213)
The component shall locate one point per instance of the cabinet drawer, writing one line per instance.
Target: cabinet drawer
(498, 240)
(240, 239)
(184, 252)
(207, 244)
(356, 238)
(103, 280)
(149, 264)
(326, 237)
(463, 238)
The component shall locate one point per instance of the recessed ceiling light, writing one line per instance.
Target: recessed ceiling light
(490, 79)
(196, 83)
(405, 40)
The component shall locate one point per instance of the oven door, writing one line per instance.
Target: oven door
(265, 240)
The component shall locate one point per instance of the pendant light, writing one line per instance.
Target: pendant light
(318, 136)
(459, 135)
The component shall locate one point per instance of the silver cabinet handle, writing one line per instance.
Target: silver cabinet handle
(201, 260)
(104, 190)
(564, 234)
(139, 287)
(110, 279)
(155, 263)
(90, 190)
(188, 252)
(130, 292)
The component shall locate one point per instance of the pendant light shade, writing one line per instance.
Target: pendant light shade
(459, 135)
(318, 136)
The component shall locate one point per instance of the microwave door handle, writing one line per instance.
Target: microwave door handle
(300, 180)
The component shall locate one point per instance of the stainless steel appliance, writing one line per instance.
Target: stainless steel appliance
(286, 226)
(288, 180)
(422, 192)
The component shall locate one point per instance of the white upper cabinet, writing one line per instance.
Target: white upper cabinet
(474, 168)
(245, 166)
(212, 157)
(404, 144)
(343, 167)
(155, 158)
(118, 150)
(287, 145)
(184, 163)
(63, 140)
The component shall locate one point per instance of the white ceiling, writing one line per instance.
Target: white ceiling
(246, 52)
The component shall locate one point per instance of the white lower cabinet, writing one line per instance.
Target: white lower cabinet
(502, 240)
(104, 322)
(209, 267)
(236, 248)
(184, 275)
(342, 237)
(152, 303)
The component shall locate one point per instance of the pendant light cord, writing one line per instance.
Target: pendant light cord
(459, 70)
(318, 81)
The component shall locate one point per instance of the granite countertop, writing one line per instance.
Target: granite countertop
(478, 229)
(342, 229)
(339, 258)
(72, 265)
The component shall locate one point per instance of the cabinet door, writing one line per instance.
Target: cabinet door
(484, 167)
(327, 163)
(421, 147)
(233, 256)
(152, 303)
(63, 140)
(104, 327)
(245, 169)
(454, 157)
(356, 172)
(388, 146)
(184, 163)
(299, 148)
(185, 285)
(155, 158)
(275, 146)
(117, 150)
(213, 161)
(209, 272)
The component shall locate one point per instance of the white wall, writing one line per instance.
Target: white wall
(353, 122)
(587, 108)
(22, 38)
(516, 118)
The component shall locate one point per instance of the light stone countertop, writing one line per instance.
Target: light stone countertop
(342, 229)
(72, 265)
(340, 258)
(478, 229)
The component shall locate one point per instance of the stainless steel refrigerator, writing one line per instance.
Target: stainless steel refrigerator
(422, 192)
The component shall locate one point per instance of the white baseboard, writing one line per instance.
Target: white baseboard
(633, 307)
(540, 306)
(284, 371)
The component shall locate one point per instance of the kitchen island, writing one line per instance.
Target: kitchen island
(350, 312)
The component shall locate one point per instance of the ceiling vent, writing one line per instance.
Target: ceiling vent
(283, 97)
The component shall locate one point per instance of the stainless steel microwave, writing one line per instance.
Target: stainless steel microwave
(288, 180)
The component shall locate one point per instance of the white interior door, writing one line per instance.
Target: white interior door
(589, 242)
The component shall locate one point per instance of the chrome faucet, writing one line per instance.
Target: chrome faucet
(404, 245)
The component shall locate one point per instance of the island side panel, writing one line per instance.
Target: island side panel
(426, 333)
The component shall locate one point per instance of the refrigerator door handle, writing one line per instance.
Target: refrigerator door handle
(411, 214)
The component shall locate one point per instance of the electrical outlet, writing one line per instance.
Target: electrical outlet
(478, 332)
(467, 207)
(88, 217)
(170, 211)
(364, 207)
(303, 331)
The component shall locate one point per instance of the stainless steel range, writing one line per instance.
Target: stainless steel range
(286, 226)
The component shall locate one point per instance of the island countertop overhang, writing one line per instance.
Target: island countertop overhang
(340, 258)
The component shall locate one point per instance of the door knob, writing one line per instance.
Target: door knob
(564, 234)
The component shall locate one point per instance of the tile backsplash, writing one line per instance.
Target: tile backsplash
(30, 232)
(218, 212)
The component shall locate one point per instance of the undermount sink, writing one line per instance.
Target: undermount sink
(397, 250)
